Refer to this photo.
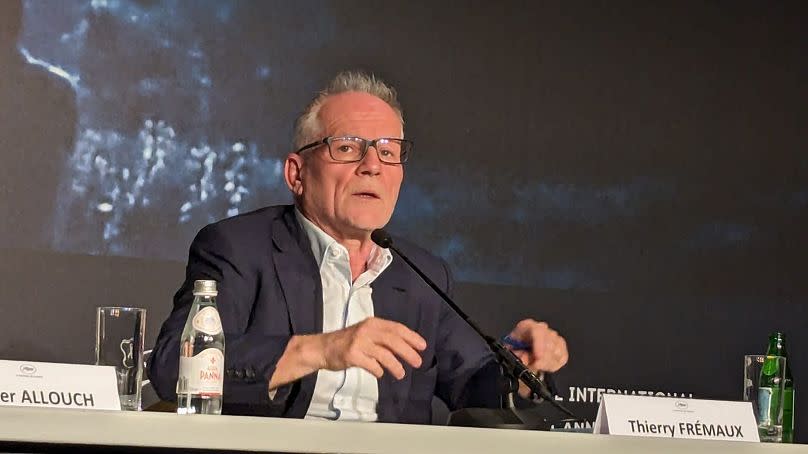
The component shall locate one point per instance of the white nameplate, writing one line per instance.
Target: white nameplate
(672, 417)
(35, 384)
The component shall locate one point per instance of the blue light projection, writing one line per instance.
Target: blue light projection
(185, 110)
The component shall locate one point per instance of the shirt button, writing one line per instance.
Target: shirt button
(334, 252)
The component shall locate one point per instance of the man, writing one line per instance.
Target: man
(319, 321)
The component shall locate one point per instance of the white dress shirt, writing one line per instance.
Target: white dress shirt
(351, 394)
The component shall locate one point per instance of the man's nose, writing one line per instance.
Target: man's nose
(370, 163)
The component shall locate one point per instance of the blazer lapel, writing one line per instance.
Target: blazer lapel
(390, 292)
(390, 302)
(298, 275)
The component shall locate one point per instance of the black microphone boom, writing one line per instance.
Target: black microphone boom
(512, 365)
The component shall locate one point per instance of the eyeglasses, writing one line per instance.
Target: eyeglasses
(354, 149)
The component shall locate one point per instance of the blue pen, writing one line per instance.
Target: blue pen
(516, 344)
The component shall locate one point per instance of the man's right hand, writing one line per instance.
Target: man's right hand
(373, 344)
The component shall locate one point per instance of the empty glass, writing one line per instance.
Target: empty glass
(119, 338)
(763, 384)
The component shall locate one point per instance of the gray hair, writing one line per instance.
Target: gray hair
(307, 126)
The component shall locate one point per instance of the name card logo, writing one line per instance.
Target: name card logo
(28, 371)
(681, 405)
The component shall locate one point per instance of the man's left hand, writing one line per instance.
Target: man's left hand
(548, 349)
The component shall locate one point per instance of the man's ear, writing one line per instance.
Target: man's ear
(293, 173)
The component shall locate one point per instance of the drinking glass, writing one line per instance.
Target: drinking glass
(765, 391)
(119, 338)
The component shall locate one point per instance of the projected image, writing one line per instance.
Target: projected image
(166, 120)
(127, 125)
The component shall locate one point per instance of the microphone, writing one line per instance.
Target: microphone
(512, 365)
(382, 238)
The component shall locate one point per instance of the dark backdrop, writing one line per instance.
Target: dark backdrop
(633, 173)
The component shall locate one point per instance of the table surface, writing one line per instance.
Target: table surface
(170, 431)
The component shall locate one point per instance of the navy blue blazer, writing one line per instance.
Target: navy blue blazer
(270, 289)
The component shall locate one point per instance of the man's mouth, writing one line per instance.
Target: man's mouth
(367, 195)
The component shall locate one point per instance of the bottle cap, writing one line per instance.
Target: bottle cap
(205, 288)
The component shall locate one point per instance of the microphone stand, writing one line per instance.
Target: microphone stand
(512, 367)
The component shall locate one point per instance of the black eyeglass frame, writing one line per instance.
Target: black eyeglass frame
(405, 155)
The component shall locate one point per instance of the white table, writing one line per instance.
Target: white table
(39, 429)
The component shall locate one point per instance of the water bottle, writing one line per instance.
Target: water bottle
(201, 371)
(777, 346)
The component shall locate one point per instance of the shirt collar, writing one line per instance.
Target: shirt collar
(321, 243)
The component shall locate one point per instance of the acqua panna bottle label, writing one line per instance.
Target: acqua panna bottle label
(203, 372)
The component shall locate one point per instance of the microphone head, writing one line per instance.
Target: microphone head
(382, 238)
